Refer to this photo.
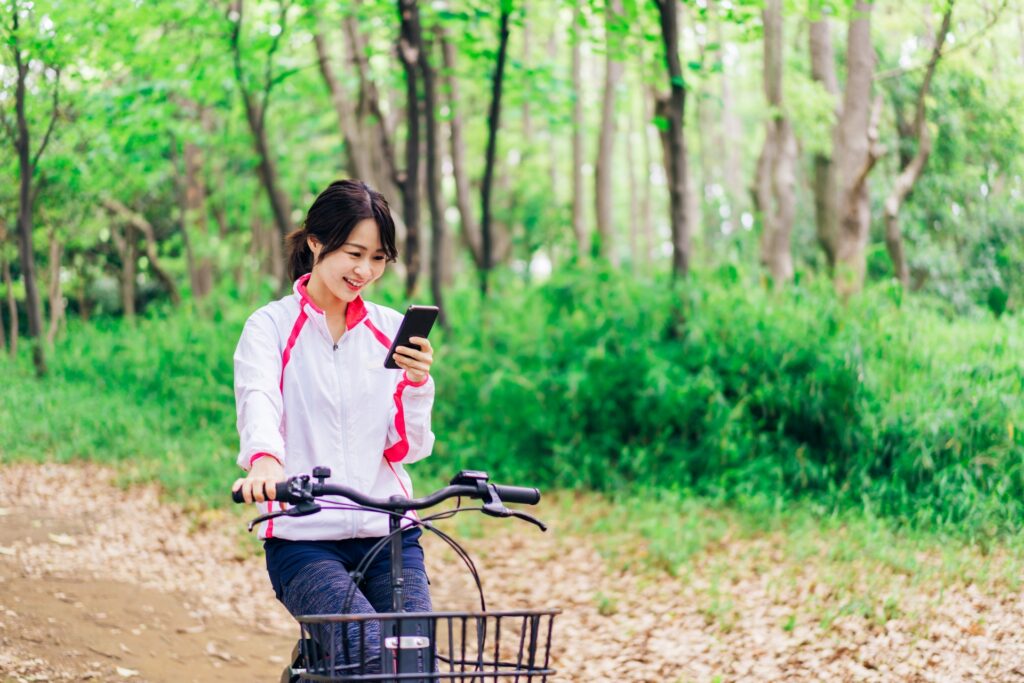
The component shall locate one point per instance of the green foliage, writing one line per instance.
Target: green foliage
(731, 392)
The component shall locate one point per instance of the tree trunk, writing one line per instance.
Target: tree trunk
(647, 238)
(26, 172)
(255, 114)
(855, 153)
(195, 216)
(525, 66)
(470, 232)
(409, 48)
(674, 108)
(138, 222)
(731, 131)
(12, 308)
(776, 181)
(55, 295)
(438, 228)
(356, 153)
(5, 271)
(553, 140)
(634, 192)
(493, 123)
(603, 186)
(911, 171)
(823, 70)
(579, 224)
(3, 328)
(127, 249)
(370, 115)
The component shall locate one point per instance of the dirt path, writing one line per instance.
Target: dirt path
(101, 584)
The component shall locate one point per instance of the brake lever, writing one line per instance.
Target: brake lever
(495, 508)
(265, 517)
(529, 518)
(299, 510)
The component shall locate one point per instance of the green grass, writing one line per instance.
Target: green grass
(714, 395)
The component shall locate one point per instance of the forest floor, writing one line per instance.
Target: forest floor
(99, 583)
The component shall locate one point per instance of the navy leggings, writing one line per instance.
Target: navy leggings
(325, 587)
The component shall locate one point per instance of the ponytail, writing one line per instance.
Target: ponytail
(300, 256)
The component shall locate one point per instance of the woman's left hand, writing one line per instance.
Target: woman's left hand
(416, 363)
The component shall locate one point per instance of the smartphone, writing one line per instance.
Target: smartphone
(417, 323)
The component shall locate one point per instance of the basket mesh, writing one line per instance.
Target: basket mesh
(420, 647)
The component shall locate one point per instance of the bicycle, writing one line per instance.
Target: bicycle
(417, 646)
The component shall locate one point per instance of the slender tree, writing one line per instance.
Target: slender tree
(579, 225)
(438, 227)
(357, 156)
(5, 275)
(56, 297)
(603, 189)
(776, 169)
(470, 231)
(856, 148)
(372, 122)
(673, 109)
(913, 168)
(28, 164)
(493, 122)
(256, 104)
(841, 185)
(410, 45)
(823, 70)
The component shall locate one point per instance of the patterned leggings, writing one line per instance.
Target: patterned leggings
(324, 587)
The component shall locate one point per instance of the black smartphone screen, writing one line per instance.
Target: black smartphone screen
(417, 323)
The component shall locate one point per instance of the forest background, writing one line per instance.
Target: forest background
(764, 255)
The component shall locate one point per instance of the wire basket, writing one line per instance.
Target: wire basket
(427, 646)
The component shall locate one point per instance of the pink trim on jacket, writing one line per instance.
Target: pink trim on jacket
(292, 338)
(381, 337)
(400, 449)
(257, 456)
(300, 289)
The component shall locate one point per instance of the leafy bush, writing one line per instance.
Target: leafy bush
(716, 387)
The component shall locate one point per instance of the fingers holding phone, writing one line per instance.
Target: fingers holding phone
(415, 361)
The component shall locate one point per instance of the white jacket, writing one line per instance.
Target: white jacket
(309, 402)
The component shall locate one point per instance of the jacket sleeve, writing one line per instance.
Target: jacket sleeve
(258, 391)
(409, 435)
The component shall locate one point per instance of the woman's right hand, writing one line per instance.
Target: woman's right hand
(258, 485)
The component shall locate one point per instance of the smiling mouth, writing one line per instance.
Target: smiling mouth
(353, 285)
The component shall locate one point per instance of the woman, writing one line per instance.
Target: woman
(311, 389)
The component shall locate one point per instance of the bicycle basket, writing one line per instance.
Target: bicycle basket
(427, 646)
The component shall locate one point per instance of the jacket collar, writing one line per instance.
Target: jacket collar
(354, 312)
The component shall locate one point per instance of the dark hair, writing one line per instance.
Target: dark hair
(331, 218)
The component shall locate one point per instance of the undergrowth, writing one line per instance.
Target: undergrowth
(718, 389)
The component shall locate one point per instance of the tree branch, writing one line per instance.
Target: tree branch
(268, 79)
(235, 39)
(875, 150)
(53, 120)
(940, 41)
(899, 71)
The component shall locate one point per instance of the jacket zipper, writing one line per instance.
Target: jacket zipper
(343, 415)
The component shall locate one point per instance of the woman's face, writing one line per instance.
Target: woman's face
(346, 271)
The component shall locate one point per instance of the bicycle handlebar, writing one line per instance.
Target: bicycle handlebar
(299, 488)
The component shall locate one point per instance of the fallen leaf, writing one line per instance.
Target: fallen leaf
(214, 651)
(63, 539)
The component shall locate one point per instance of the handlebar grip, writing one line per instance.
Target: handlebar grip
(517, 494)
(280, 493)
